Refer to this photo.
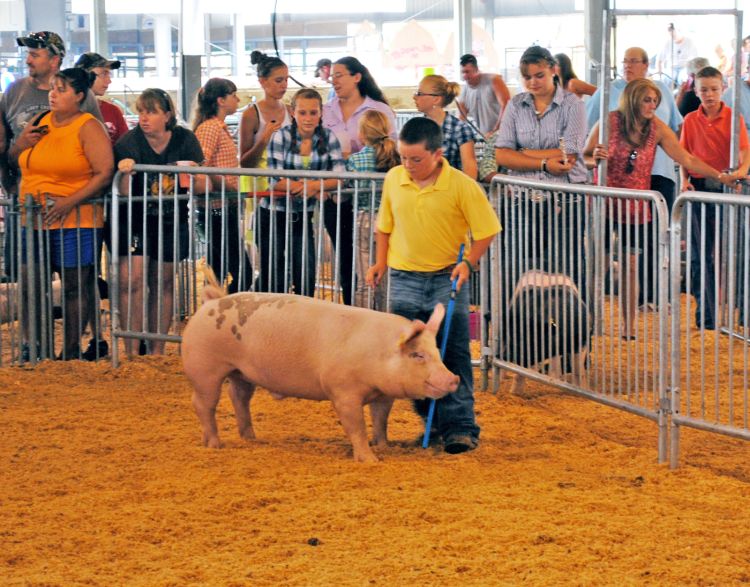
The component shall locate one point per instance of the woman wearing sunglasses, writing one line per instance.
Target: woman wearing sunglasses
(434, 94)
(634, 134)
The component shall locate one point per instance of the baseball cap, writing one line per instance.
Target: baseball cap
(322, 63)
(89, 61)
(43, 40)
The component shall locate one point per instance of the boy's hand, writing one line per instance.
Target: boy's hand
(375, 275)
(687, 186)
(462, 272)
(732, 180)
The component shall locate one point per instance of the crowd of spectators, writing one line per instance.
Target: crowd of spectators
(61, 142)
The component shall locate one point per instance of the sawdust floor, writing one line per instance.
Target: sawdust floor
(104, 482)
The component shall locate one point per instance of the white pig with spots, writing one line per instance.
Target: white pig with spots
(295, 346)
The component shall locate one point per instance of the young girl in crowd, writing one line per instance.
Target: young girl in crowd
(221, 216)
(537, 125)
(434, 94)
(303, 145)
(568, 78)
(268, 115)
(378, 155)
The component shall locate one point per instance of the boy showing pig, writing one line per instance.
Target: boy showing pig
(426, 213)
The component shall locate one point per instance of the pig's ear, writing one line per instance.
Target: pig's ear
(433, 324)
(414, 328)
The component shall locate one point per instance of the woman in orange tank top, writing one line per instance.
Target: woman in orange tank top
(65, 159)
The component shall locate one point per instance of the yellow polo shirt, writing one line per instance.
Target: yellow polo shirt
(427, 225)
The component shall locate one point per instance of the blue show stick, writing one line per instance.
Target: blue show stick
(443, 346)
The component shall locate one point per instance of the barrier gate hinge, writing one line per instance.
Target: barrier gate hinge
(665, 405)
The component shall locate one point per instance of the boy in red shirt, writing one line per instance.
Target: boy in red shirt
(706, 133)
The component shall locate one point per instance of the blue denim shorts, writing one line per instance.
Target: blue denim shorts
(68, 247)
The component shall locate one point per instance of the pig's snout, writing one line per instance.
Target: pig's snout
(439, 385)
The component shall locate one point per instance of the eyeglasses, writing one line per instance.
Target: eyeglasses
(630, 165)
(104, 74)
(632, 61)
(418, 93)
(339, 75)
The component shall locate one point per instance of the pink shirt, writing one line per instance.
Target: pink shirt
(347, 132)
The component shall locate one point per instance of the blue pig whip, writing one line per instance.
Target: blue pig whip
(443, 346)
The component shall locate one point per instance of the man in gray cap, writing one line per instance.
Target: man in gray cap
(27, 98)
(102, 69)
(323, 71)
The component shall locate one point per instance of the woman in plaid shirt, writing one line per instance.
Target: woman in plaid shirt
(434, 94)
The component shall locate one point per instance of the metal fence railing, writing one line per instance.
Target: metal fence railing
(567, 271)
(710, 354)
(574, 293)
(266, 240)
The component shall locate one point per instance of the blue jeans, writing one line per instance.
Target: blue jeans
(705, 298)
(414, 296)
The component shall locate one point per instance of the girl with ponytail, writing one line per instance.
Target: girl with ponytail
(379, 154)
(220, 218)
(431, 98)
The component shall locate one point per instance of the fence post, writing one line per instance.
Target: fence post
(675, 236)
(31, 269)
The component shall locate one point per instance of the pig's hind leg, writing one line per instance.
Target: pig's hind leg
(241, 391)
(379, 410)
(207, 390)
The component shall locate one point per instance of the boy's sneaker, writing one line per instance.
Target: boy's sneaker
(458, 443)
(94, 351)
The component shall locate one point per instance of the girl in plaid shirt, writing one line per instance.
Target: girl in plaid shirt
(305, 144)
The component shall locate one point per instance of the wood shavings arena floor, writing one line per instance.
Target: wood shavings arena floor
(105, 483)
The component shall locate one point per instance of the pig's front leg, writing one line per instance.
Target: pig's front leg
(351, 413)
(379, 410)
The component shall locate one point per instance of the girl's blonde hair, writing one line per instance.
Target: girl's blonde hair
(629, 108)
(374, 127)
(437, 84)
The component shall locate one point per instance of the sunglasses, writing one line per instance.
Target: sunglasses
(418, 93)
(630, 165)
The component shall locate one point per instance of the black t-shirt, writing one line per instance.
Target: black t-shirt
(183, 146)
(689, 103)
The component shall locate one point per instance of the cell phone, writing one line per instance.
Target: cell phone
(43, 130)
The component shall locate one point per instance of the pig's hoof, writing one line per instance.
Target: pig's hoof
(366, 458)
(212, 442)
(247, 436)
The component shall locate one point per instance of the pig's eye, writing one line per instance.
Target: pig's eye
(416, 355)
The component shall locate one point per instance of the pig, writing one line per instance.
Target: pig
(9, 300)
(547, 321)
(295, 346)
